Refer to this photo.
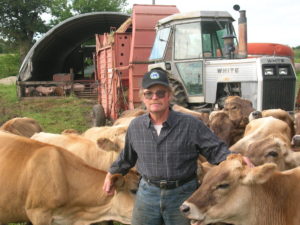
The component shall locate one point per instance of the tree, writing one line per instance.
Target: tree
(20, 20)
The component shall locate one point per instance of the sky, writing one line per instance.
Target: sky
(268, 21)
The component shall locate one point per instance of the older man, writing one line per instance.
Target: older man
(164, 145)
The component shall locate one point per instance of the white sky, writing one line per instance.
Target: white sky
(272, 21)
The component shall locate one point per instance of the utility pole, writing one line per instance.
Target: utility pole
(153, 2)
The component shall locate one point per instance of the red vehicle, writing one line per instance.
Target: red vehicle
(121, 60)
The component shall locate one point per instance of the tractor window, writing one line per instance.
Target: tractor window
(188, 41)
(160, 43)
(192, 76)
(212, 34)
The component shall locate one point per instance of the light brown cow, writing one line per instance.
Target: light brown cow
(45, 184)
(86, 149)
(22, 126)
(268, 140)
(234, 193)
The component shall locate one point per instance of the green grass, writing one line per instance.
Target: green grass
(9, 65)
(54, 115)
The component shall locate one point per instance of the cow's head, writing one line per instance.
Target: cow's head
(222, 126)
(238, 110)
(225, 194)
(269, 150)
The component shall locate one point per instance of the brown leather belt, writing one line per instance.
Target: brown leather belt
(169, 184)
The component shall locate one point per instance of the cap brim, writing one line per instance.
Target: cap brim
(154, 83)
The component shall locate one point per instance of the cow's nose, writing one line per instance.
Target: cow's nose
(185, 209)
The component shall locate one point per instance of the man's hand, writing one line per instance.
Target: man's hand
(108, 185)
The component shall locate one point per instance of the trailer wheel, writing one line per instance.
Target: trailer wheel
(98, 116)
(179, 95)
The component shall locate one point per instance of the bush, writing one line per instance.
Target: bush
(9, 65)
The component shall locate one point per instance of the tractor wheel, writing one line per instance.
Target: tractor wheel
(98, 116)
(179, 95)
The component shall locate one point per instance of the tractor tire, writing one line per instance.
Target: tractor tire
(179, 95)
(98, 116)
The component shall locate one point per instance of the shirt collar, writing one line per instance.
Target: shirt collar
(169, 122)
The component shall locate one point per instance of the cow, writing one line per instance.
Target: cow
(230, 122)
(45, 184)
(234, 193)
(266, 140)
(84, 148)
(23, 126)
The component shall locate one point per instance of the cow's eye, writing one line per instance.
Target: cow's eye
(222, 186)
(273, 154)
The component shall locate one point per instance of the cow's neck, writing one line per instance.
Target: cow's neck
(276, 198)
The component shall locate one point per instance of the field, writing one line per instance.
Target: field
(54, 115)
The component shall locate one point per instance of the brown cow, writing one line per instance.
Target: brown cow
(237, 194)
(229, 124)
(50, 185)
(22, 126)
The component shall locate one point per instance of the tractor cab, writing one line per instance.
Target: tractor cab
(184, 42)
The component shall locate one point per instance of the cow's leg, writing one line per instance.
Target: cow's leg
(39, 216)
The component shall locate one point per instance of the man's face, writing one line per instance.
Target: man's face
(156, 98)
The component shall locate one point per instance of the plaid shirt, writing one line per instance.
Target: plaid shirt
(173, 154)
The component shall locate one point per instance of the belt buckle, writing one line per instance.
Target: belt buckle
(163, 184)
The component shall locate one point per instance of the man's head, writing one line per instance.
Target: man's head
(156, 92)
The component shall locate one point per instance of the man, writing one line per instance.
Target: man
(164, 145)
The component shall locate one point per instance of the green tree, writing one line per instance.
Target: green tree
(20, 20)
(63, 9)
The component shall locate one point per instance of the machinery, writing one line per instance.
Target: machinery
(205, 61)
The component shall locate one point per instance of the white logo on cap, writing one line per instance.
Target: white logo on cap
(154, 75)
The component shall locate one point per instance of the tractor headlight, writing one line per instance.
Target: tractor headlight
(269, 71)
(283, 71)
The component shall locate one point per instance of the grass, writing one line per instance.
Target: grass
(297, 55)
(9, 65)
(54, 115)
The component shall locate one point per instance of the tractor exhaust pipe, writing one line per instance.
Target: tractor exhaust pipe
(242, 22)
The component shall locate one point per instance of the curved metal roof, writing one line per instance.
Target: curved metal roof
(50, 53)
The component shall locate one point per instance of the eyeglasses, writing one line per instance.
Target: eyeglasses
(159, 94)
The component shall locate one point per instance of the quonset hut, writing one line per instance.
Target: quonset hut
(63, 55)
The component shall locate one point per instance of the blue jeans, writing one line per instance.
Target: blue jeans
(155, 206)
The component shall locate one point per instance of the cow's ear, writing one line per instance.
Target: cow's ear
(107, 145)
(259, 174)
(118, 180)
